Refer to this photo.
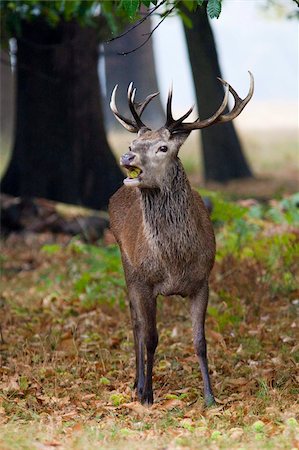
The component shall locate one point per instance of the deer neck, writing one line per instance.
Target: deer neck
(167, 212)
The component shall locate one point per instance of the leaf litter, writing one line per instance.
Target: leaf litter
(67, 358)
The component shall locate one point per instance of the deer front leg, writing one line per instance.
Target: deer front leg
(151, 342)
(143, 312)
(198, 314)
(139, 353)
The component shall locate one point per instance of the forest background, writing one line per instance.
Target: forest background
(67, 361)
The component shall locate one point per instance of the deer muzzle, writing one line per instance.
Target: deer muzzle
(127, 158)
(133, 171)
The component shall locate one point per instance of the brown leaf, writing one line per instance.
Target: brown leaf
(11, 385)
(216, 411)
(237, 381)
(236, 433)
(68, 346)
(77, 427)
(217, 337)
(50, 444)
(173, 403)
(137, 408)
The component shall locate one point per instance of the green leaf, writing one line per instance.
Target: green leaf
(51, 249)
(82, 283)
(214, 8)
(117, 399)
(104, 380)
(130, 7)
(70, 7)
(146, 3)
(51, 15)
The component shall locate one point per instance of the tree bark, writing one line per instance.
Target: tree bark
(7, 89)
(138, 67)
(222, 152)
(60, 151)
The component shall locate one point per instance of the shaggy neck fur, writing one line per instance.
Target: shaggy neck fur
(167, 214)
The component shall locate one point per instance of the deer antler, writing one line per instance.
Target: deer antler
(171, 123)
(177, 126)
(136, 109)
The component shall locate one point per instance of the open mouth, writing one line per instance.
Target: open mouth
(133, 178)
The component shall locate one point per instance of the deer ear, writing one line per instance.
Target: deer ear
(179, 137)
(142, 131)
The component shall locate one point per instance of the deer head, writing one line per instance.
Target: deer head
(153, 154)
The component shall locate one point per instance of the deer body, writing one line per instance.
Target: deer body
(164, 232)
(172, 247)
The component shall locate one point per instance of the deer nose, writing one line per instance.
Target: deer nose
(127, 158)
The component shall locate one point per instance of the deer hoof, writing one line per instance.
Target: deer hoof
(210, 400)
(147, 398)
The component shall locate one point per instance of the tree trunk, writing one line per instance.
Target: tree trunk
(60, 152)
(222, 152)
(138, 67)
(7, 88)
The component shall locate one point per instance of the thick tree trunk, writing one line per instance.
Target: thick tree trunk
(138, 67)
(222, 152)
(60, 150)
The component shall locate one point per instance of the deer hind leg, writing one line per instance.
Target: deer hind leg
(199, 304)
(143, 313)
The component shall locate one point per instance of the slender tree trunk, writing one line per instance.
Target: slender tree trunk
(7, 88)
(222, 152)
(60, 150)
(139, 67)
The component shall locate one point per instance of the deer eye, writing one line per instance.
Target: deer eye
(163, 149)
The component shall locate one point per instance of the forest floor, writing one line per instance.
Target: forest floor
(67, 363)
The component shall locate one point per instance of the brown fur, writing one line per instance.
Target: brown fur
(168, 247)
(156, 266)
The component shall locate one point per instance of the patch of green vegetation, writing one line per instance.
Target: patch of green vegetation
(103, 280)
(117, 399)
(249, 234)
(263, 391)
(229, 311)
(51, 249)
(224, 210)
(252, 346)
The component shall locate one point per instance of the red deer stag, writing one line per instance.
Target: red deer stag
(163, 229)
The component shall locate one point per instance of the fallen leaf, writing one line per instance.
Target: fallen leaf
(217, 337)
(173, 403)
(236, 433)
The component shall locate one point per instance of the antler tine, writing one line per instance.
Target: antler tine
(172, 123)
(140, 106)
(131, 96)
(178, 122)
(127, 123)
(169, 118)
(218, 117)
(239, 103)
(198, 124)
(136, 109)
